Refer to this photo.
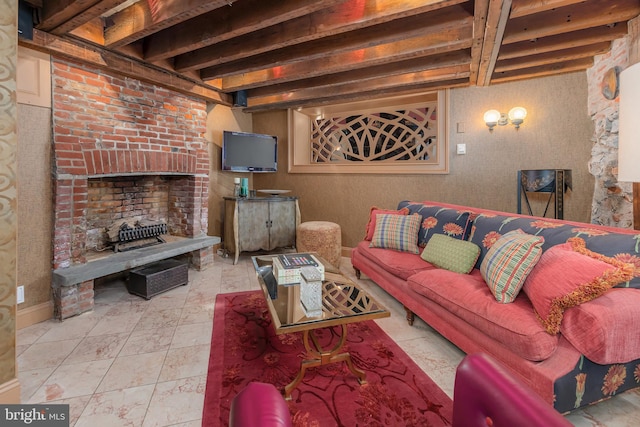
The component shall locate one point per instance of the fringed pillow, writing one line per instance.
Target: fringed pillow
(568, 275)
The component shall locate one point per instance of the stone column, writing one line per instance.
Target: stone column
(612, 200)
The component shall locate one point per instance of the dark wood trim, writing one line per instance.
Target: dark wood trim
(636, 205)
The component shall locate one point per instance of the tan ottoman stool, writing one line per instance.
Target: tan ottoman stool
(322, 237)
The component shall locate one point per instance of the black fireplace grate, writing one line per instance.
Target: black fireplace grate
(146, 235)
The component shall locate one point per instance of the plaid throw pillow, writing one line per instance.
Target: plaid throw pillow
(508, 263)
(398, 232)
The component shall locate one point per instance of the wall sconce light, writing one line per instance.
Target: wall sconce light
(494, 117)
(517, 115)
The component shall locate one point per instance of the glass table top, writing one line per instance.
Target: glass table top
(342, 301)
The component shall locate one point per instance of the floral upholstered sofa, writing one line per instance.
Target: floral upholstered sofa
(556, 302)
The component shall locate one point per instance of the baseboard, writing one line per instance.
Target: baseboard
(34, 314)
(10, 392)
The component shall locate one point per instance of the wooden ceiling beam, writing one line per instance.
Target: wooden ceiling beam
(408, 82)
(86, 16)
(521, 8)
(368, 96)
(497, 18)
(531, 61)
(140, 19)
(317, 26)
(563, 41)
(118, 64)
(480, 11)
(226, 23)
(408, 28)
(92, 31)
(56, 13)
(401, 68)
(543, 71)
(576, 17)
(417, 47)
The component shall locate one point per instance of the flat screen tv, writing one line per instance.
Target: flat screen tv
(249, 152)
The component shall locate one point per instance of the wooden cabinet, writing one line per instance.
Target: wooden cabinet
(260, 223)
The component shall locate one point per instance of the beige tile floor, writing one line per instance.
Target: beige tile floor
(133, 362)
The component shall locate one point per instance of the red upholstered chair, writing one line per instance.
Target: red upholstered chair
(259, 404)
(484, 394)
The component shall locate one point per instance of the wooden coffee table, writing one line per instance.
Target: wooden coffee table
(343, 302)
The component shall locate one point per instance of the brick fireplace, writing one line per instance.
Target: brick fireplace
(122, 148)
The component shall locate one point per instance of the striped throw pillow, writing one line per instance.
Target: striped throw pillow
(398, 232)
(508, 263)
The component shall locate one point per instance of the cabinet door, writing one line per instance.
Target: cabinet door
(283, 224)
(253, 220)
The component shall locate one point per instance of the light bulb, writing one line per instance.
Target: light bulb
(491, 118)
(517, 115)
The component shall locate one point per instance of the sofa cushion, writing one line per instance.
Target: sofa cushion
(616, 243)
(489, 227)
(398, 232)
(468, 297)
(438, 220)
(568, 275)
(508, 262)
(371, 225)
(452, 254)
(623, 247)
(605, 329)
(400, 264)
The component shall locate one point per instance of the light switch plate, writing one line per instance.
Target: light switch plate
(461, 148)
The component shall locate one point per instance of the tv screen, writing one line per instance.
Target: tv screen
(249, 152)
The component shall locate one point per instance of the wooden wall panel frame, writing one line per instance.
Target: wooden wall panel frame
(299, 137)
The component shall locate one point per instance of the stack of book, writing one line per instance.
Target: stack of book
(286, 267)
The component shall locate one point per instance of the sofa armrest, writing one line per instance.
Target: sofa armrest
(485, 394)
(259, 404)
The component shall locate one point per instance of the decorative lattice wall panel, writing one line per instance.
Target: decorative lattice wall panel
(393, 136)
(401, 135)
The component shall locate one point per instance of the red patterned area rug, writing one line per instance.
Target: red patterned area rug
(244, 348)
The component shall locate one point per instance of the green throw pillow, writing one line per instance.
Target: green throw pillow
(451, 254)
(508, 263)
(398, 232)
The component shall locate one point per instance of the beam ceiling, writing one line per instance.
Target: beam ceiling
(297, 53)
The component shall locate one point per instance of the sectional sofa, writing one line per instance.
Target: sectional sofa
(555, 302)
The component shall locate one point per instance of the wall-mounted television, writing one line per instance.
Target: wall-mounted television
(249, 152)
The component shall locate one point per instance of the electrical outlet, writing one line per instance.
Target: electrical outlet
(20, 295)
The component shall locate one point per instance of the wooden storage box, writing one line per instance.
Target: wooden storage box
(153, 279)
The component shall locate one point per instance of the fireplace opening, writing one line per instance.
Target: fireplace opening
(129, 212)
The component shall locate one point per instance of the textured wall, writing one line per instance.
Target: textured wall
(555, 135)
(8, 194)
(219, 119)
(35, 208)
